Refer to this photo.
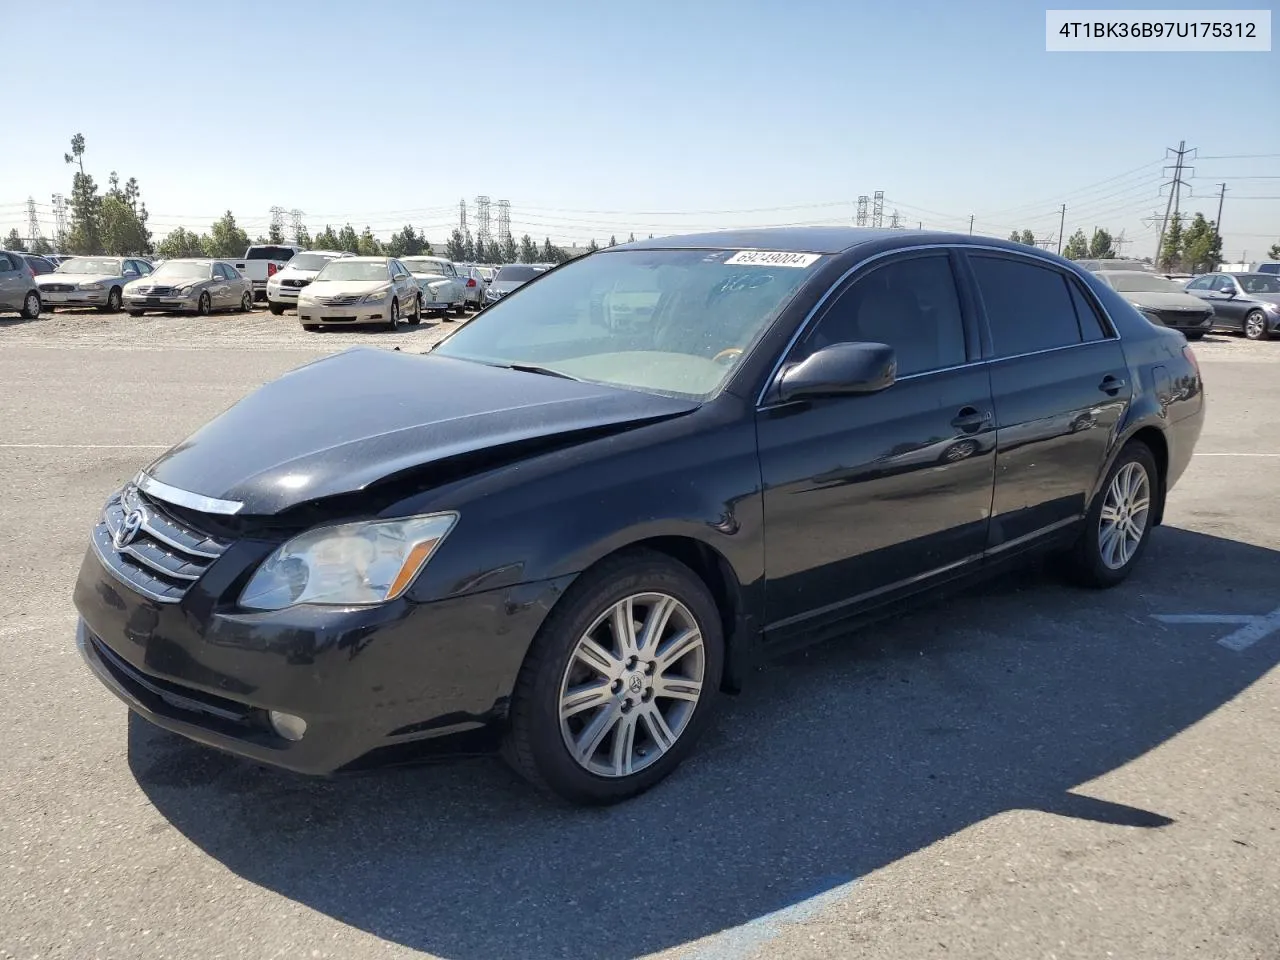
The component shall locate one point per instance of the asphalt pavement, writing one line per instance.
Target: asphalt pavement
(1024, 771)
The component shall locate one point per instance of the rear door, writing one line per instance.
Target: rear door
(867, 497)
(13, 286)
(1060, 384)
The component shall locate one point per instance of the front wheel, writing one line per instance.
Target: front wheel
(113, 301)
(1255, 325)
(31, 305)
(395, 315)
(204, 306)
(246, 303)
(619, 682)
(415, 318)
(1118, 524)
(1197, 335)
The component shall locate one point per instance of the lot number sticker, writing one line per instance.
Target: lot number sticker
(765, 258)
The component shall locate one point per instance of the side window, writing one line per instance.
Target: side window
(6, 265)
(1091, 325)
(1224, 285)
(1028, 306)
(1200, 283)
(910, 304)
(223, 272)
(144, 268)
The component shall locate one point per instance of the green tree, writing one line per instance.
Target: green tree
(613, 241)
(348, 239)
(41, 246)
(1171, 251)
(1077, 247)
(77, 151)
(302, 238)
(226, 239)
(456, 246)
(368, 245)
(275, 233)
(1100, 245)
(85, 232)
(1028, 238)
(1274, 252)
(326, 239)
(1201, 245)
(181, 243)
(592, 247)
(1015, 237)
(122, 219)
(631, 238)
(14, 242)
(509, 252)
(405, 243)
(528, 250)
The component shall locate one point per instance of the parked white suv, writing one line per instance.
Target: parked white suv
(284, 285)
(261, 262)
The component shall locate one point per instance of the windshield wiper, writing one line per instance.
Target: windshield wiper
(534, 368)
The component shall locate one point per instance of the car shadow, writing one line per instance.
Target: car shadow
(831, 764)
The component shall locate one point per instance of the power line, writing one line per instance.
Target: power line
(1175, 185)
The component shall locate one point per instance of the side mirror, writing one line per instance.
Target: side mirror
(841, 368)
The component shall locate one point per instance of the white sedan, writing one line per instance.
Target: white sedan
(442, 289)
(360, 290)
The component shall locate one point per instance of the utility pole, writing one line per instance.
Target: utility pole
(33, 223)
(462, 214)
(861, 219)
(504, 220)
(919, 224)
(1217, 224)
(877, 209)
(971, 224)
(1062, 225)
(277, 224)
(59, 222)
(482, 215)
(296, 216)
(1175, 188)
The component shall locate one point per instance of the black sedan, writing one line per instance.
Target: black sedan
(1247, 303)
(587, 513)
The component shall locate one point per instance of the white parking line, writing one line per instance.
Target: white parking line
(1238, 454)
(1252, 628)
(85, 446)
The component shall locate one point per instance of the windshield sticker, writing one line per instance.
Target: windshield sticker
(765, 258)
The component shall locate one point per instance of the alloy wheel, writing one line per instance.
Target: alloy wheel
(632, 684)
(1125, 511)
(1255, 325)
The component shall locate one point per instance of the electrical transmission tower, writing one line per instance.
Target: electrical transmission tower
(59, 221)
(482, 219)
(33, 222)
(1120, 243)
(895, 222)
(277, 224)
(861, 219)
(877, 209)
(462, 214)
(504, 219)
(295, 217)
(1175, 189)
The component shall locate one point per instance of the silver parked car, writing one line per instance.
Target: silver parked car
(18, 289)
(193, 284)
(91, 282)
(361, 290)
(473, 284)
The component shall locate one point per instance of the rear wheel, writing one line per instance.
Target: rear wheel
(31, 305)
(276, 308)
(619, 682)
(311, 326)
(1255, 325)
(134, 313)
(1118, 524)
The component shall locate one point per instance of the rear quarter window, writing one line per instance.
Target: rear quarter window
(1028, 307)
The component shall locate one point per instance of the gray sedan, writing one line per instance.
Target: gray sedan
(1248, 303)
(90, 282)
(193, 285)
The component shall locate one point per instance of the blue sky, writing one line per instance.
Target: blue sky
(599, 118)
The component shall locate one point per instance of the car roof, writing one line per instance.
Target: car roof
(1129, 273)
(427, 256)
(822, 240)
(370, 259)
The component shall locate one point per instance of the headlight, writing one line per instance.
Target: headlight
(1271, 307)
(348, 564)
(185, 288)
(377, 296)
(90, 286)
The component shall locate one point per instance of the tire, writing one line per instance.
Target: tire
(276, 309)
(311, 326)
(537, 740)
(1089, 563)
(113, 301)
(204, 306)
(1255, 326)
(395, 315)
(461, 309)
(1198, 335)
(415, 318)
(246, 304)
(31, 305)
(134, 313)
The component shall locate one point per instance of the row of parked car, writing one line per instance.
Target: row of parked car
(355, 290)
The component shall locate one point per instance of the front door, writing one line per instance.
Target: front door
(13, 287)
(1060, 383)
(867, 496)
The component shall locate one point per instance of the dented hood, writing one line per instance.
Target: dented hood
(345, 422)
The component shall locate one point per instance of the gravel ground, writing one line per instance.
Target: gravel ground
(1025, 771)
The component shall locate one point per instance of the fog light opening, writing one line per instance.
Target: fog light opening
(287, 725)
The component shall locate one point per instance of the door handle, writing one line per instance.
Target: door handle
(970, 419)
(1111, 385)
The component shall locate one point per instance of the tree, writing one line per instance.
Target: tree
(469, 247)
(41, 246)
(405, 243)
(1274, 252)
(14, 242)
(528, 250)
(1201, 245)
(181, 243)
(302, 238)
(122, 219)
(456, 246)
(613, 241)
(1077, 247)
(85, 233)
(1171, 252)
(368, 245)
(348, 239)
(326, 239)
(1028, 238)
(1100, 245)
(631, 238)
(77, 151)
(592, 247)
(508, 252)
(275, 233)
(226, 239)
(1015, 237)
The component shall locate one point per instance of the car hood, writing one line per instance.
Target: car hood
(345, 422)
(75, 278)
(293, 273)
(1165, 301)
(345, 288)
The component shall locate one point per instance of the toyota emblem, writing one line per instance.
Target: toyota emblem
(128, 530)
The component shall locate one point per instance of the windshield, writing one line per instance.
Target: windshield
(98, 265)
(1143, 283)
(352, 270)
(1259, 283)
(433, 267)
(667, 321)
(311, 261)
(178, 270)
(517, 273)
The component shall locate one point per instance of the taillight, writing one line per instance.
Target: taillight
(1191, 358)
(471, 282)
(271, 269)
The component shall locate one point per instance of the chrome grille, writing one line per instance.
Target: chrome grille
(164, 557)
(294, 283)
(58, 287)
(338, 301)
(1176, 318)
